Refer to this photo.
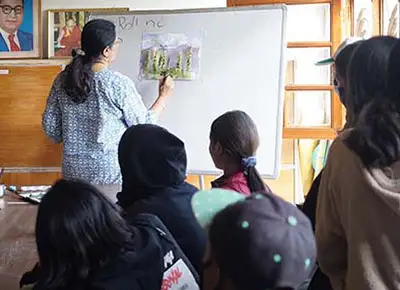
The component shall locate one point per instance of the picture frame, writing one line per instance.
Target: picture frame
(20, 29)
(65, 28)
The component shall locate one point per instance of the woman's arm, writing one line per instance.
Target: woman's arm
(51, 119)
(330, 236)
(165, 89)
(134, 110)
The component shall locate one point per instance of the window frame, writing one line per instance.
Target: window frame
(337, 121)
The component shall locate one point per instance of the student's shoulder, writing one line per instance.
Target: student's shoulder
(189, 188)
(340, 156)
(339, 147)
(144, 220)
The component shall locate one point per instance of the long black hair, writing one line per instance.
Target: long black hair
(237, 134)
(373, 107)
(96, 36)
(77, 229)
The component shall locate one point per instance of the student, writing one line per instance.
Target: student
(83, 243)
(340, 60)
(234, 141)
(255, 243)
(357, 213)
(90, 107)
(153, 165)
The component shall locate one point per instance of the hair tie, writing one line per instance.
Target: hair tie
(78, 52)
(248, 162)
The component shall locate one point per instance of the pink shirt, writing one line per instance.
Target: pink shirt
(236, 182)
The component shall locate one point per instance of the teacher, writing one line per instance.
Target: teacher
(90, 107)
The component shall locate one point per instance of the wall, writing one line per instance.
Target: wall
(132, 4)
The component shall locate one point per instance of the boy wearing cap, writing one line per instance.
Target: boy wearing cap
(340, 61)
(255, 243)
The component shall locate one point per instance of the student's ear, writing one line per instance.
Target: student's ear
(215, 149)
(218, 150)
(107, 52)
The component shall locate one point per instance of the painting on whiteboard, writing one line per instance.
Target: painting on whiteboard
(170, 54)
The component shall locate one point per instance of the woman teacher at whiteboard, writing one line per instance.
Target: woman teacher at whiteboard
(90, 107)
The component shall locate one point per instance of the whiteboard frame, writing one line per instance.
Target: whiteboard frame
(281, 93)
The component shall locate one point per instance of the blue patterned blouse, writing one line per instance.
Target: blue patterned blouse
(90, 132)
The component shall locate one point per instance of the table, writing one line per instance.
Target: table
(17, 238)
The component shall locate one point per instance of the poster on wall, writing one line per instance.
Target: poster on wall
(65, 28)
(19, 29)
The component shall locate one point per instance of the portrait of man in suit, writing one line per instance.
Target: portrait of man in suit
(12, 38)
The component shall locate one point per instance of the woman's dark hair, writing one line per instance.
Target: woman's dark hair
(373, 102)
(97, 35)
(237, 134)
(77, 229)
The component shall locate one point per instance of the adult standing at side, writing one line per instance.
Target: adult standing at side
(339, 61)
(357, 210)
(90, 107)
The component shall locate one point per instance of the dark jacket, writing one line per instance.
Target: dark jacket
(319, 281)
(310, 204)
(153, 165)
(145, 266)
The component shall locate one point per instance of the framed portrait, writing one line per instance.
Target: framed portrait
(20, 29)
(65, 28)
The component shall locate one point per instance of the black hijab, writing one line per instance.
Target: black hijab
(151, 159)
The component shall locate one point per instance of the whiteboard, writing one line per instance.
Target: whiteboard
(241, 68)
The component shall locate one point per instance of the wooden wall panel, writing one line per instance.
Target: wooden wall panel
(22, 99)
(36, 178)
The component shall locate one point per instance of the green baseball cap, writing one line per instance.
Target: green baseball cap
(207, 203)
(331, 60)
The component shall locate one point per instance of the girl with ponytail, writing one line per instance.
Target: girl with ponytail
(90, 107)
(234, 141)
(358, 213)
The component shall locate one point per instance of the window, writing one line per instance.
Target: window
(363, 18)
(307, 109)
(312, 112)
(390, 18)
(308, 22)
